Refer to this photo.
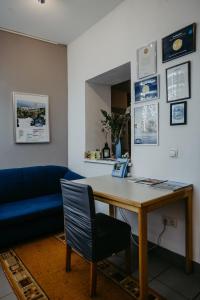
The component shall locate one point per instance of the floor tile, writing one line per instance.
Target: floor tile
(10, 297)
(155, 267)
(186, 285)
(5, 287)
(164, 291)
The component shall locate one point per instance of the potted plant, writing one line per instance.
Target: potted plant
(115, 124)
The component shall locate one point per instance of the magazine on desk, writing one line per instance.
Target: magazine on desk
(160, 184)
(171, 185)
(148, 181)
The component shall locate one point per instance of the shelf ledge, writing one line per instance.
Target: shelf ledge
(100, 161)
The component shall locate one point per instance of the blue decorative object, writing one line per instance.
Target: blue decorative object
(120, 168)
(118, 149)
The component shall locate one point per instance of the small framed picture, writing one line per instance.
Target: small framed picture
(178, 82)
(147, 60)
(147, 89)
(178, 113)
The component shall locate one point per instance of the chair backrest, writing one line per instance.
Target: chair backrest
(79, 217)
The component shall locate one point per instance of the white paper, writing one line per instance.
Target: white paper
(147, 60)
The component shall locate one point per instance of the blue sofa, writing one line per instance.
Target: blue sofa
(31, 202)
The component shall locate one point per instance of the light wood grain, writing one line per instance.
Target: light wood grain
(143, 263)
(188, 232)
(142, 199)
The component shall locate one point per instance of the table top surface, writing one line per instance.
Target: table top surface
(126, 191)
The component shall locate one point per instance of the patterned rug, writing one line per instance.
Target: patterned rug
(27, 287)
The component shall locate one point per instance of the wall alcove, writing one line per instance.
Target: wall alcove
(110, 91)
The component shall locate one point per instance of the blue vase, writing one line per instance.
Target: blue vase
(118, 149)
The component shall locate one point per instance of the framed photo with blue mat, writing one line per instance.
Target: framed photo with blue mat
(178, 113)
(147, 89)
(179, 43)
(120, 168)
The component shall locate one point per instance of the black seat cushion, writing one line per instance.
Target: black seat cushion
(112, 235)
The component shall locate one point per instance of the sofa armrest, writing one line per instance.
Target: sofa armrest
(70, 175)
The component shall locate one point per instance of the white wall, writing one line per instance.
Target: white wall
(97, 97)
(112, 42)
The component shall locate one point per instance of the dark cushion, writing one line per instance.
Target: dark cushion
(13, 212)
(23, 183)
(69, 175)
(112, 235)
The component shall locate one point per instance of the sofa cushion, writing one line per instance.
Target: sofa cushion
(12, 212)
(23, 183)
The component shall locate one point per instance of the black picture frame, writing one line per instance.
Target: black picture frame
(182, 96)
(181, 42)
(178, 113)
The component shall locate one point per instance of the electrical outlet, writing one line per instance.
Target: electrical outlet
(169, 221)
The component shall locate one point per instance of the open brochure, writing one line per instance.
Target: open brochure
(148, 181)
(171, 185)
(160, 184)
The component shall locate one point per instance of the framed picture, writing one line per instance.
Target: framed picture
(120, 168)
(178, 82)
(179, 43)
(147, 89)
(31, 118)
(178, 113)
(146, 124)
(147, 60)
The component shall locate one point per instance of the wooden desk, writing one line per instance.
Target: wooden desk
(140, 198)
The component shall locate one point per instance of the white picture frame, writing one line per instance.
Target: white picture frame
(147, 60)
(146, 124)
(31, 118)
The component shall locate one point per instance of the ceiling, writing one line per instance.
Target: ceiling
(59, 21)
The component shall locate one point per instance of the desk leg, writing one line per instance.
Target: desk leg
(111, 210)
(188, 233)
(143, 263)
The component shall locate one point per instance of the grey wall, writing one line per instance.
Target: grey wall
(32, 66)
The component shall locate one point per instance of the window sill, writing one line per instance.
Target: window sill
(100, 161)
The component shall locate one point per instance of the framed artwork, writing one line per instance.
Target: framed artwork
(31, 118)
(178, 113)
(178, 82)
(179, 43)
(146, 124)
(120, 168)
(147, 60)
(147, 89)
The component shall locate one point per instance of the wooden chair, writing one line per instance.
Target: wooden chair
(94, 236)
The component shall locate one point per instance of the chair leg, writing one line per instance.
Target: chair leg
(93, 278)
(68, 258)
(128, 260)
